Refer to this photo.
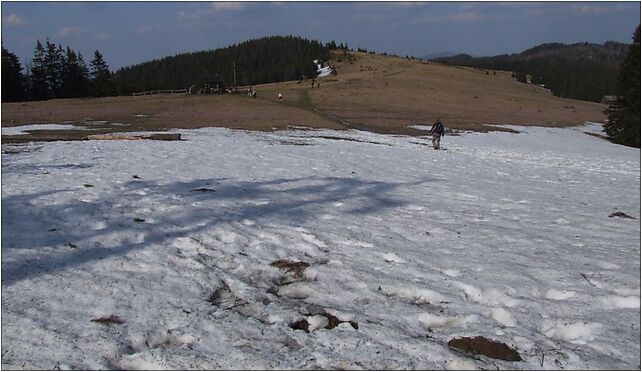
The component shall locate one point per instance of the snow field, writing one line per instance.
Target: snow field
(501, 235)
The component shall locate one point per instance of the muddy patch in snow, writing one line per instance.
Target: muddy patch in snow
(108, 320)
(318, 318)
(621, 215)
(482, 346)
(294, 270)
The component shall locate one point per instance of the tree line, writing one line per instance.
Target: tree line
(54, 72)
(258, 61)
(623, 126)
(580, 71)
(57, 72)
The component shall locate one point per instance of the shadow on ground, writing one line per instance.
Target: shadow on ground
(43, 235)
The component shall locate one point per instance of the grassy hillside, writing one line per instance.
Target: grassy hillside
(390, 93)
(380, 93)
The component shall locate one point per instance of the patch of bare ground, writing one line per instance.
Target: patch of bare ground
(108, 320)
(294, 269)
(480, 345)
(621, 215)
(155, 113)
(376, 93)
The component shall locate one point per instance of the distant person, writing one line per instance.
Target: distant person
(280, 96)
(437, 132)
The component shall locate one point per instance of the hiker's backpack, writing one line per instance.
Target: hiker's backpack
(439, 128)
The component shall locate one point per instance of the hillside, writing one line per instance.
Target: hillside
(581, 71)
(373, 92)
(388, 94)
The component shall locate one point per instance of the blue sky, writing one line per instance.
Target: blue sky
(131, 32)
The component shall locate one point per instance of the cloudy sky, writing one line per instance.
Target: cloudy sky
(131, 32)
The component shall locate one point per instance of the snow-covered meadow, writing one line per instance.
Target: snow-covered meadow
(507, 236)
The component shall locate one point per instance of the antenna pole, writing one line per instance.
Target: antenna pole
(234, 68)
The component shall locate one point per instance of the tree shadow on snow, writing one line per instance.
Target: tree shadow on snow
(40, 238)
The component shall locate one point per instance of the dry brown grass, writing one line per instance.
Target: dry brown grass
(390, 93)
(165, 111)
(384, 94)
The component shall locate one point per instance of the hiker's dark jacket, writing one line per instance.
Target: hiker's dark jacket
(438, 129)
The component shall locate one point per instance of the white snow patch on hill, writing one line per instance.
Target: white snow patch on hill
(210, 250)
(23, 129)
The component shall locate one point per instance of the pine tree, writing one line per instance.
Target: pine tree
(54, 62)
(13, 82)
(74, 79)
(100, 76)
(624, 116)
(38, 74)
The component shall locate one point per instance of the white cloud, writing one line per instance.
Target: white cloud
(149, 29)
(69, 31)
(408, 4)
(455, 17)
(469, 16)
(15, 20)
(596, 9)
(204, 11)
(228, 5)
(104, 36)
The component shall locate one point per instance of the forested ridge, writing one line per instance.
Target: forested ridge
(57, 72)
(257, 61)
(581, 71)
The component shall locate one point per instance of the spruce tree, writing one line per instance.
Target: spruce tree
(38, 74)
(75, 81)
(13, 84)
(100, 76)
(623, 126)
(54, 62)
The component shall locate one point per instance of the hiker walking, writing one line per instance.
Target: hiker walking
(437, 132)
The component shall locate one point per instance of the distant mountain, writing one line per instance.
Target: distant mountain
(581, 71)
(439, 55)
(265, 60)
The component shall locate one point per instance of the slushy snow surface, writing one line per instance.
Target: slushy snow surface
(506, 236)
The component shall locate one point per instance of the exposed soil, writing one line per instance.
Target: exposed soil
(482, 346)
(301, 325)
(109, 320)
(621, 215)
(294, 268)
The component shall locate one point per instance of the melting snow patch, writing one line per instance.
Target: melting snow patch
(391, 257)
(503, 317)
(451, 272)
(554, 294)
(25, 128)
(630, 302)
(576, 332)
(491, 297)
(436, 321)
(417, 295)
